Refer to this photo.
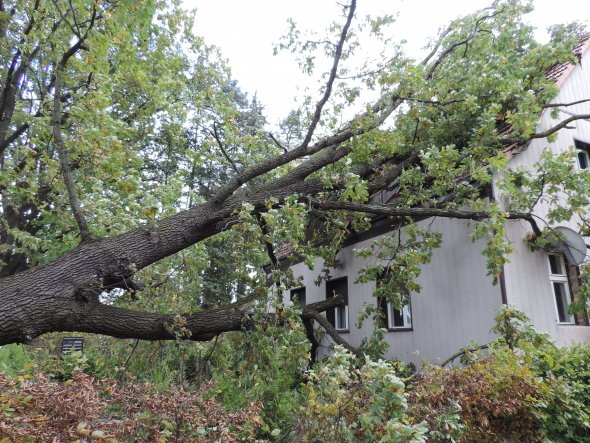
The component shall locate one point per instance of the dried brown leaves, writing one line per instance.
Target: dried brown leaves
(86, 409)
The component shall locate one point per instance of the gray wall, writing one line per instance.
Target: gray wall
(457, 302)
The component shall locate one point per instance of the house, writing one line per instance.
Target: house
(458, 301)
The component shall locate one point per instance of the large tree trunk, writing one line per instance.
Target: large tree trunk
(64, 295)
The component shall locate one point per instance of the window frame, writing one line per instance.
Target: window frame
(296, 292)
(334, 315)
(341, 312)
(386, 307)
(582, 148)
(388, 318)
(561, 279)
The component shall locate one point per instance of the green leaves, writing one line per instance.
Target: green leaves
(347, 401)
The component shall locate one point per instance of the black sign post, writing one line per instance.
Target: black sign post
(72, 343)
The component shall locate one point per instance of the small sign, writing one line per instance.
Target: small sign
(69, 343)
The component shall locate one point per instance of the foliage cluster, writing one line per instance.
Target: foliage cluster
(494, 400)
(259, 385)
(266, 365)
(342, 403)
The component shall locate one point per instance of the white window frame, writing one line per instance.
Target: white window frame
(341, 320)
(338, 312)
(406, 309)
(564, 281)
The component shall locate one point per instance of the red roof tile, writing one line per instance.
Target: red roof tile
(559, 72)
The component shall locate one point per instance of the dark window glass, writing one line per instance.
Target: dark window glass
(298, 295)
(583, 154)
(583, 160)
(561, 301)
(398, 318)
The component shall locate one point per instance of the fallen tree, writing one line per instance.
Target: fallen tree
(435, 120)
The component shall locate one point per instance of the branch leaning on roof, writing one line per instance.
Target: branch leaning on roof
(562, 124)
(419, 213)
(380, 110)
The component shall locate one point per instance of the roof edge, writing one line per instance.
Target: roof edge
(571, 66)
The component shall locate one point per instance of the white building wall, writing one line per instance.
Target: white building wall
(457, 302)
(527, 275)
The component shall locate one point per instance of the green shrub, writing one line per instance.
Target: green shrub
(496, 397)
(14, 359)
(345, 404)
(567, 417)
(265, 365)
(526, 389)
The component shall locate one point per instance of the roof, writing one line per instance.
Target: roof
(560, 71)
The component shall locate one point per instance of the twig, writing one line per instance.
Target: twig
(272, 137)
(330, 83)
(465, 42)
(215, 135)
(131, 353)
(564, 105)
(463, 352)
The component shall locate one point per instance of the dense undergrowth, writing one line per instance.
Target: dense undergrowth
(257, 387)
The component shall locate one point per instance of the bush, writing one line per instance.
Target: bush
(344, 404)
(495, 399)
(265, 366)
(567, 416)
(14, 359)
(526, 389)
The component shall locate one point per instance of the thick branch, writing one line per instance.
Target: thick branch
(385, 106)
(14, 76)
(559, 126)
(565, 105)
(379, 111)
(64, 157)
(420, 213)
(463, 352)
(94, 317)
(330, 330)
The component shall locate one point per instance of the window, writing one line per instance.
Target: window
(338, 316)
(298, 296)
(395, 319)
(398, 319)
(583, 154)
(560, 286)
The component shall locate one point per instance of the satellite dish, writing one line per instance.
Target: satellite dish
(571, 244)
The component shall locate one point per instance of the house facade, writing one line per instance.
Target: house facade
(458, 300)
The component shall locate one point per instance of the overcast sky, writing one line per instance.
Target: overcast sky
(245, 31)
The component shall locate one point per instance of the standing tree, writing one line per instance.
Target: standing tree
(125, 147)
